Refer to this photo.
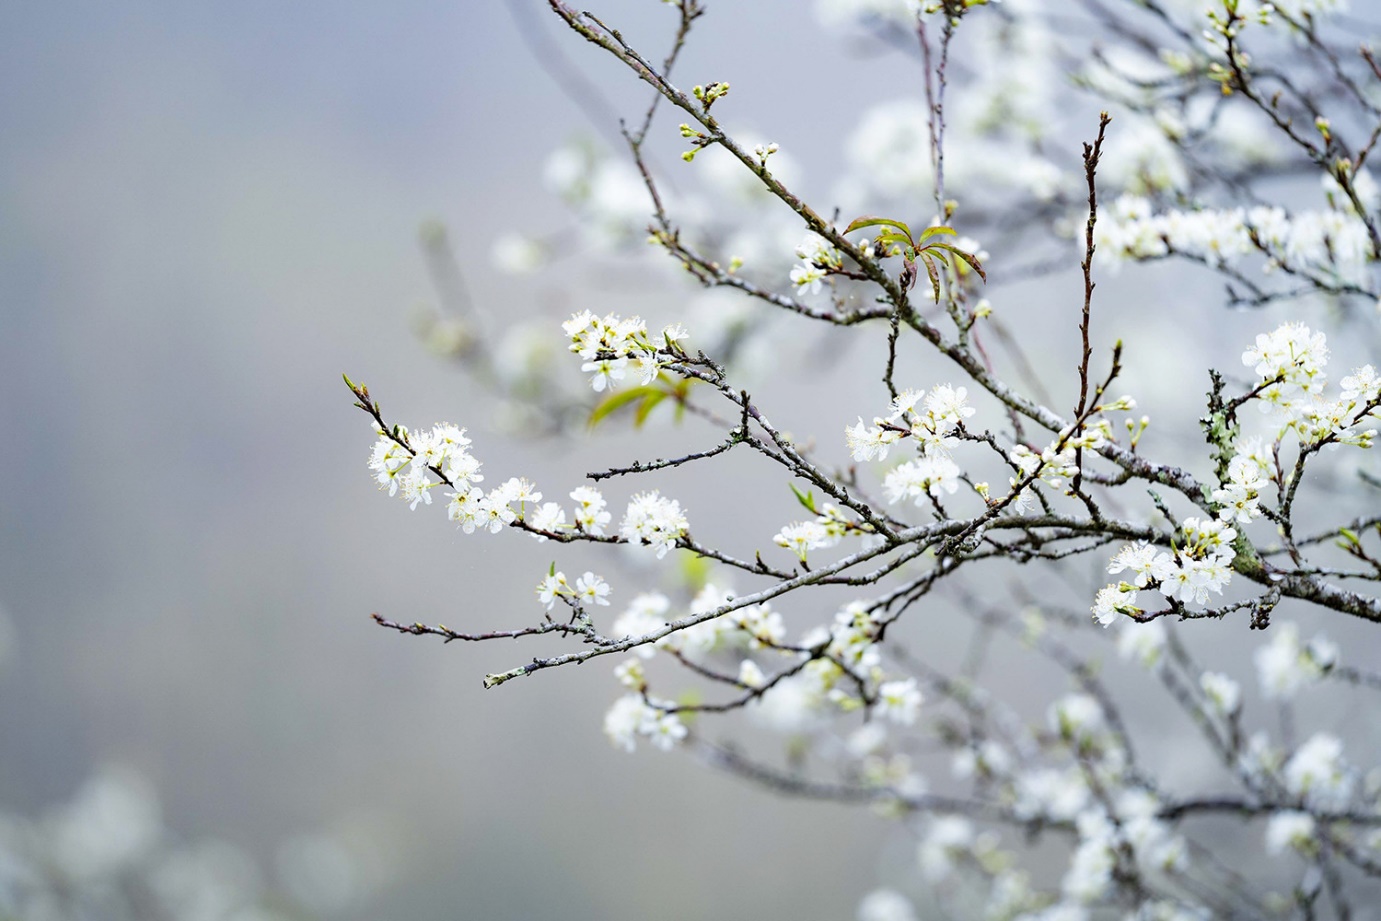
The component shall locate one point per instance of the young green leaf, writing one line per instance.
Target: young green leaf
(616, 401)
(934, 275)
(969, 258)
(806, 499)
(937, 231)
(869, 221)
(646, 407)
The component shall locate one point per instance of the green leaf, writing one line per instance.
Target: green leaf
(646, 407)
(869, 221)
(968, 258)
(890, 237)
(806, 499)
(616, 401)
(940, 230)
(934, 275)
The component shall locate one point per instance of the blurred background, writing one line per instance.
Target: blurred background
(207, 214)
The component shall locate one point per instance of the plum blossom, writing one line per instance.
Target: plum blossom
(654, 521)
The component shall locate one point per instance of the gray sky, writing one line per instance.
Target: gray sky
(207, 213)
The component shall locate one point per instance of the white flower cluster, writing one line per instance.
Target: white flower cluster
(405, 465)
(590, 515)
(1078, 719)
(1290, 362)
(413, 464)
(852, 641)
(1332, 244)
(1202, 563)
(1224, 695)
(930, 474)
(886, 905)
(588, 589)
(1296, 355)
(645, 614)
(796, 703)
(825, 530)
(1052, 467)
(471, 508)
(1120, 823)
(1291, 830)
(1132, 827)
(632, 717)
(613, 345)
(889, 150)
(654, 521)
(932, 418)
(1318, 775)
(853, 637)
(1284, 666)
(1240, 496)
(752, 627)
(800, 701)
(748, 628)
(818, 258)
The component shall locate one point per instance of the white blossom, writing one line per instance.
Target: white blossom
(631, 674)
(899, 701)
(750, 674)
(1114, 601)
(590, 510)
(631, 718)
(1283, 666)
(946, 841)
(645, 614)
(1317, 773)
(654, 521)
(870, 442)
(1223, 694)
(925, 476)
(885, 905)
(553, 586)
(1149, 563)
(591, 589)
(1076, 717)
(804, 536)
(792, 705)
(549, 517)
(1290, 830)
